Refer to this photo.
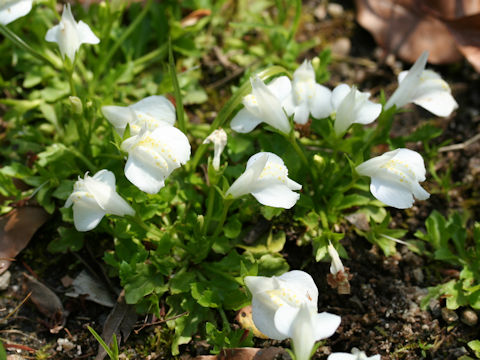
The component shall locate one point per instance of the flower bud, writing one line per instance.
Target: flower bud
(76, 103)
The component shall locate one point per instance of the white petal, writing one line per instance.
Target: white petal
(263, 318)
(367, 113)
(142, 171)
(175, 141)
(118, 116)
(269, 106)
(86, 34)
(303, 282)
(276, 195)
(86, 214)
(338, 94)
(321, 104)
(288, 104)
(157, 107)
(301, 114)
(105, 176)
(244, 121)
(281, 87)
(302, 333)
(413, 159)
(341, 356)
(440, 103)
(325, 325)
(284, 318)
(259, 284)
(243, 185)
(391, 194)
(407, 87)
(105, 195)
(12, 10)
(371, 166)
(53, 34)
(345, 112)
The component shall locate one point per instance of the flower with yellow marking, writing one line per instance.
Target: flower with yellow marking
(395, 177)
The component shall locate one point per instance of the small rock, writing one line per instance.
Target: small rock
(341, 46)
(64, 345)
(434, 306)
(15, 357)
(449, 316)
(335, 10)
(5, 280)
(469, 317)
(418, 275)
(320, 12)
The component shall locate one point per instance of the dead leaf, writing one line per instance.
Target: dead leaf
(192, 18)
(46, 301)
(245, 319)
(120, 322)
(402, 28)
(16, 229)
(466, 31)
(94, 290)
(446, 28)
(248, 353)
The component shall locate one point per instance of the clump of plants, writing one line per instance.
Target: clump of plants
(115, 157)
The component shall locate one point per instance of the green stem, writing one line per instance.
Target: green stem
(296, 21)
(82, 157)
(210, 204)
(148, 228)
(226, 323)
(226, 205)
(23, 45)
(176, 88)
(122, 38)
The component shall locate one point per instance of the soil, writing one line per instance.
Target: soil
(381, 316)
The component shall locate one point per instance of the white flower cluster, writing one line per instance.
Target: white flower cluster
(395, 174)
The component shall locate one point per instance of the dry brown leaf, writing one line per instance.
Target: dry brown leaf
(466, 31)
(446, 28)
(16, 229)
(120, 322)
(245, 319)
(192, 18)
(401, 27)
(46, 301)
(248, 353)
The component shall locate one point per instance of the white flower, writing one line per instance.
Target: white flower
(69, 34)
(93, 197)
(266, 178)
(425, 88)
(336, 266)
(219, 139)
(153, 155)
(286, 307)
(11, 10)
(151, 112)
(352, 106)
(264, 105)
(355, 355)
(395, 177)
(307, 97)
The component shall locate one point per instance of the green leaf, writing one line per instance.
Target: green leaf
(69, 240)
(142, 281)
(232, 228)
(205, 296)
(475, 346)
(353, 200)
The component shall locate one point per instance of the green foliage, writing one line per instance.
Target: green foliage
(453, 243)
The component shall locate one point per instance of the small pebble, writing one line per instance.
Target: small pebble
(341, 46)
(15, 357)
(335, 10)
(449, 316)
(418, 275)
(320, 12)
(469, 317)
(5, 280)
